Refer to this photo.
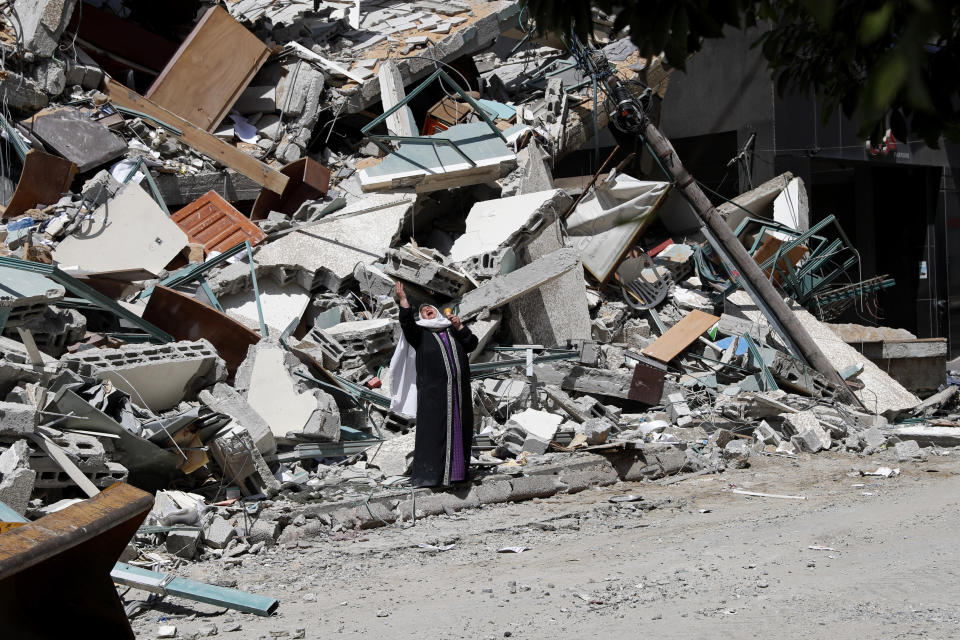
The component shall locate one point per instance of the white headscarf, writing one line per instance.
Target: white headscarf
(403, 368)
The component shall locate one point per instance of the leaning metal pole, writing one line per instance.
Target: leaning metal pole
(745, 268)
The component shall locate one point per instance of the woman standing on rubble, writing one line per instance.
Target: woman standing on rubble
(431, 373)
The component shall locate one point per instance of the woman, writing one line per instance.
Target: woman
(436, 349)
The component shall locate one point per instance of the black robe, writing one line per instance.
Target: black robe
(437, 382)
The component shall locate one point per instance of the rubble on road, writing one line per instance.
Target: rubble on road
(196, 290)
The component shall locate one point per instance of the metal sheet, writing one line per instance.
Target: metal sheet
(185, 318)
(43, 179)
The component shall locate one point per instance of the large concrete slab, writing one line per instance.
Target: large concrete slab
(503, 289)
(281, 304)
(130, 231)
(504, 222)
(325, 254)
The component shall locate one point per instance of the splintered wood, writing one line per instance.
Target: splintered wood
(680, 336)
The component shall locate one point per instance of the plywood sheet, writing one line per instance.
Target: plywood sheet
(213, 222)
(210, 70)
(680, 336)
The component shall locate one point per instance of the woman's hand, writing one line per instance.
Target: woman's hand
(401, 295)
(455, 321)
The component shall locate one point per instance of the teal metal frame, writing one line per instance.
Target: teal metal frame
(89, 295)
(380, 139)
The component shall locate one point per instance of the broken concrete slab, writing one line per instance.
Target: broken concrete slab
(414, 265)
(16, 476)
(402, 122)
(365, 337)
(503, 289)
(42, 23)
(281, 305)
(241, 462)
(273, 393)
(156, 376)
(130, 231)
(557, 311)
(225, 399)
(503, 222)
(27, 295)
(431, 167)
(539, 424)
(326, 253)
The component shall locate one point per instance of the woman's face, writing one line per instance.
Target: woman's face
(428, 313)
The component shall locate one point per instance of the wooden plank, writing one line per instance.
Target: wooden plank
(199, 139)
(680, 336)
(210, 70)
(213, 222)
(44, 179)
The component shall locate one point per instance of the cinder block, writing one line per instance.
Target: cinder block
(529, 487)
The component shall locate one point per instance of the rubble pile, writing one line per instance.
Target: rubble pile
(196, 290)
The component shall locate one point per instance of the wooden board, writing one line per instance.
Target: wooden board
(199, 139)
(213, 222)
(680, 336)
(210, 70)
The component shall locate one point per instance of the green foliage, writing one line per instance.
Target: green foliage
(885, 62)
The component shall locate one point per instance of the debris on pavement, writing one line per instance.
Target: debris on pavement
(197, 254)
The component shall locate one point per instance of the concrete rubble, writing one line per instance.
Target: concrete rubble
(254, 403)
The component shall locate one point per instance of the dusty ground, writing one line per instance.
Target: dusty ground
(702, 563)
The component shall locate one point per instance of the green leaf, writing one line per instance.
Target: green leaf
(884, 82)
(875, 23)
(822, 11)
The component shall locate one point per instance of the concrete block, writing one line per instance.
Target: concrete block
(507, 222)
(325, 254)
(158, 376)
(362, 338)
(266, 531)
(43, 22)
(24, 94)
(528, 487)
(737, 453)
(766, 434)
(184, 543)
(17, 419)
(439, 503)
(493, 492)
(596, 430)
(504, 289)
(577, 480)
(241, 462)
(874, 438)
(27, 295)
(225, 399)
(273, 393)
(909, 451)
(539, 424)
(219, 533)
(653, 461)
(430, 274)
(54, 329)
(16, 476)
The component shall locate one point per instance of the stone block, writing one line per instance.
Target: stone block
(17, 419)
(909, 451)
(596, 430)
(493, 492)
(266, 531)
(43, 22)
(219, 533)
(157, 376)
(225, 399)
(184, 543)
(16, 476)
(529, 487)
(577, 480)
(737, 453)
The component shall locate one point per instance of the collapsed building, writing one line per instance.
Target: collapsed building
(200, 240)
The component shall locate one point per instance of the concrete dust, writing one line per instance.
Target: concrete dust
(689, 560)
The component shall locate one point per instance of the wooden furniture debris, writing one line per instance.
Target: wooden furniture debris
(309, 180)
(216, 224)
(63, 560)
(204, 142)
(680, 336)
(210, 70)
